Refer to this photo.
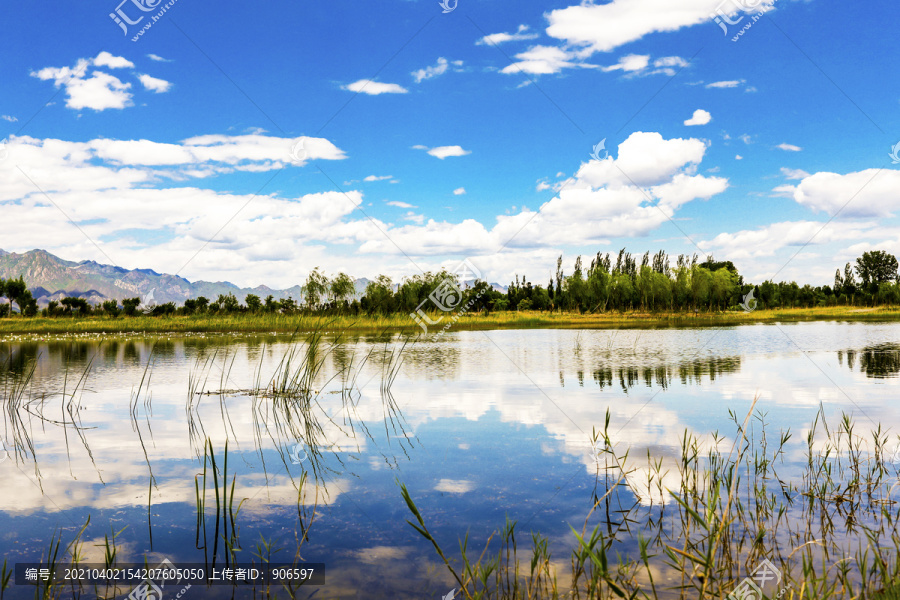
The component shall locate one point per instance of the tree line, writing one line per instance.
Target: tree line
(619, 282)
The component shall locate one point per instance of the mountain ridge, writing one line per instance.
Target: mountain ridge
(50, 277)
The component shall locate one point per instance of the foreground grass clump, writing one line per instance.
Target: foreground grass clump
(829, 531)
(268, 322)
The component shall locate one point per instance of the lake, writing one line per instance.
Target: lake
(480, 426)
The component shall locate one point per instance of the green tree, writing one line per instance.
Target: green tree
(129, 306)
(111, 307)
(15, 291)
(254, 304)
(342, 288)
(876, 267)
(379, 296)
(316, 288)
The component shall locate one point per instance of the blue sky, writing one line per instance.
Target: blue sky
(428, 137)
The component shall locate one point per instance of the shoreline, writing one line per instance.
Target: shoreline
(269, 323)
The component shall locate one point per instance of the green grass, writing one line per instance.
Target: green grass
(833, 533)
(403, 322)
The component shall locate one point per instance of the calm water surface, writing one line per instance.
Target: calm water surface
(480, 426)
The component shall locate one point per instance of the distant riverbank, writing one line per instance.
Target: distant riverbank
(404, 323)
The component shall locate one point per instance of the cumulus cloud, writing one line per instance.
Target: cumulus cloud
(443, 152)
(632, 62)
(459, 191)
(768, 240)
(374, 88)
(868, 193)
(129, 194)
(87, 87)
(630, 195)
(441, 67)
(100, 91)
(155, 85)
(502, 38)
(105, 59)
(605, 27)
(701, 117)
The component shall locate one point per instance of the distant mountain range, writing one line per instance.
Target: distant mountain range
(51, 278)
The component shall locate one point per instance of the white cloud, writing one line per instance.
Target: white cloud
(670, 61)
(155, 85)
(637, 65)
(869, 193)
(438, 69)
(100, 91)
(157, 58)
(543, 60)
(605, 27)
(374, 88)
(725, 84)
(378, 177)
(8, 118)
(115, 188)
(600, 202)
(738, 157)
(701, 117)
(105, 59)
(668, 65)
(501, 38)
(459, 191)
(443, 152)
(95, 89)
(794, 173)
(541, 186)
(632, 62)
(769, 239)
(789, 147)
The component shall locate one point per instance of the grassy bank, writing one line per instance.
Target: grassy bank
(404, 323)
